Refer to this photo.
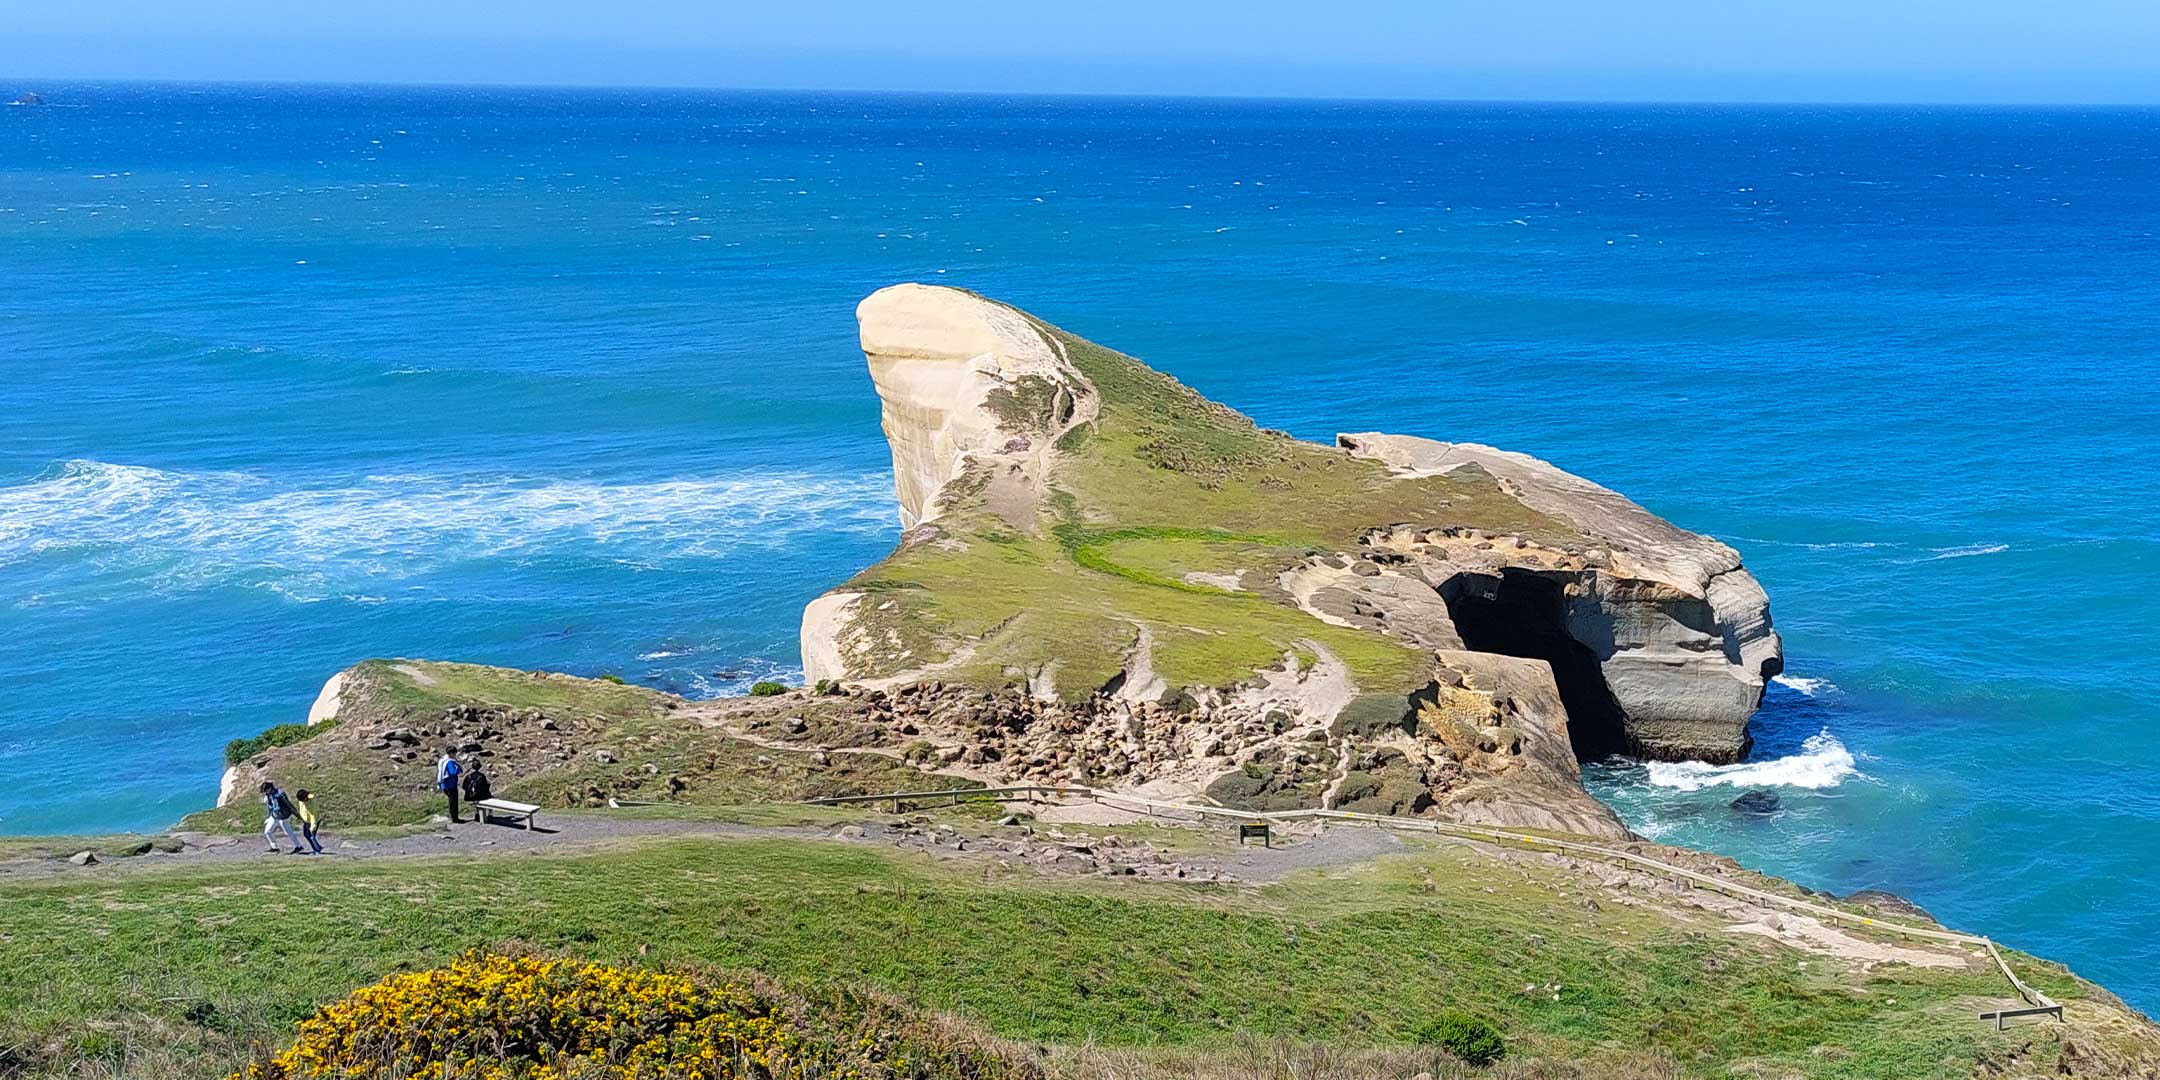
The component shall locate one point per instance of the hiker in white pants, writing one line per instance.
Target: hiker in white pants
(278, 812)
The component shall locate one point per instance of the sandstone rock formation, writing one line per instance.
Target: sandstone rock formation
(1680, 632)
(1145, 589)
(961, 379)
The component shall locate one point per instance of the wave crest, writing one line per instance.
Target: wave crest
(211, 525)
(1805, 685)
(1963, 551)
(1823, 762)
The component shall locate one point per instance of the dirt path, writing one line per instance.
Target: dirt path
(566, 833)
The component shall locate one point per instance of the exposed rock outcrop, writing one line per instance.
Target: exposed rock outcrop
(1399, 624)
(963, 380)
(1680, 632)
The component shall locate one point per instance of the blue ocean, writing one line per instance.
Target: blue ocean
(291, 377)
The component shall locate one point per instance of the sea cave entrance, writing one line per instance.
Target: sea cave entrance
(1525, 615)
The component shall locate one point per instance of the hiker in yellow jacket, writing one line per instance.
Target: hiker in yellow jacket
(304, 809)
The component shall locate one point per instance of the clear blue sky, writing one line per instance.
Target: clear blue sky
(1666, 50)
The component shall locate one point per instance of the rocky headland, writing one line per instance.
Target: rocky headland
(1195, 605)
(1107, 579)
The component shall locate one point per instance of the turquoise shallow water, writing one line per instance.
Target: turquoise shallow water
(568, 379)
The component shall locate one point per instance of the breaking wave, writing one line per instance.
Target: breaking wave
(1805, 685)
(211, 526)
(1966, 551)
(1823, 762)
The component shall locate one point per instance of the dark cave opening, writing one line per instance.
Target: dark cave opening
(1525, 615)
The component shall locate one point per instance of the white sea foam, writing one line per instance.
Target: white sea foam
(300, 538)
(1810, 687)
(1965, 552)
(746, 674)
(1823, 545)
(1823, 762)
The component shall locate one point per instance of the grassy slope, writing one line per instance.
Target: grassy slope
(357, 786)
(1359, 956)
(1163, 483)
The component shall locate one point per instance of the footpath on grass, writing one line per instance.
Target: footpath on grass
(1309, 844)
(1050, 847)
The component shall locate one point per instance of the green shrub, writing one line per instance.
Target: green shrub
(240, 750)
(767, 688)
(1472, 1038)
(609, 676)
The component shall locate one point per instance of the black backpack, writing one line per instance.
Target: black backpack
(284, 804)
(476, 786)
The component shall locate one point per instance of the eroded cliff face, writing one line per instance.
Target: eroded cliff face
(1679, 631)
(963, 380)
(1192, 604)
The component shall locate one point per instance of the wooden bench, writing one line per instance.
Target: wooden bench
(2002, 1016)
(489, 809)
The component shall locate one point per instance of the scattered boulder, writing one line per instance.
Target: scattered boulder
(1758, 803)
(84, 858)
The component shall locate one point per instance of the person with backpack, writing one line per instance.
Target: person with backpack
(278, 812)
(447, 775)
(309, 827)
(477, 787)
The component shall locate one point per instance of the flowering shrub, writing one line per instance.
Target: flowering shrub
(493, 1017)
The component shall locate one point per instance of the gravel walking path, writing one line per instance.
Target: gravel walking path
(568, 833)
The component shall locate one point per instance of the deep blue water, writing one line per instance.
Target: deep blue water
(294, 377)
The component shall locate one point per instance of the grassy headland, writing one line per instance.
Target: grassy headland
(180, 970)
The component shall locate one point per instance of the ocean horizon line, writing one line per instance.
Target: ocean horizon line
(38, 84)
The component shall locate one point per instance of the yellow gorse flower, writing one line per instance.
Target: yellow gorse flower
(492, 1017)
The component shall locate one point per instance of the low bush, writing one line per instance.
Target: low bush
(240, 750)
(767, 688)
(488, 1016)
(611, 677)
(1474, 1039)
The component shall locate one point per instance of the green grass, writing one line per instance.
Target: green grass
(113, 846)
(1161, 557)
(1252, 480)
(395, 692)
(658, 754)
(1163, 483)
(1359, 956)
(1031, 601)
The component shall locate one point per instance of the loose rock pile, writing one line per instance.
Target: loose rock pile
(1102, 739)
(482, 731)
